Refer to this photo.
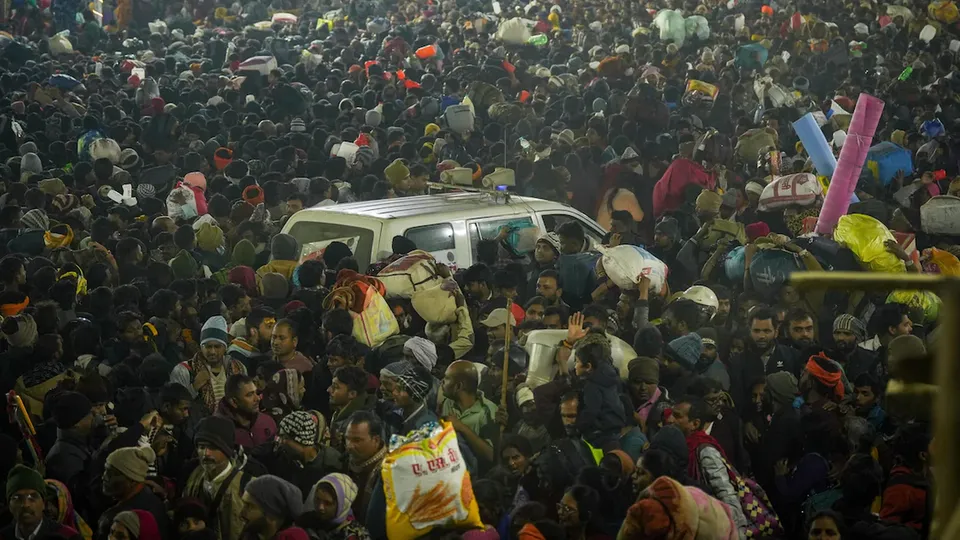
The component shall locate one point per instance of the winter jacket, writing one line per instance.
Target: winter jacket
(578, 275)
(866, 526)
(905, 498)
(716, 477)
(341, 417)
(68, 458)
(262, 429)
(460, 334)
(749, 366)
(227, 523)
(143, 499)
(811, 475)
(48, 529)
(285, 268)
(655, 419)
(601, 414)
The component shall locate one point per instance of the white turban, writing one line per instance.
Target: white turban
(423, 350)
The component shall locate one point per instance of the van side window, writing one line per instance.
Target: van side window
(522, 238)
(552, 222)
(432, 238)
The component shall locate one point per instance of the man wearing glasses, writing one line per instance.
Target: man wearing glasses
(25, 494)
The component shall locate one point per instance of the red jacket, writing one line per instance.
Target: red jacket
(905, 498)
(263, 429)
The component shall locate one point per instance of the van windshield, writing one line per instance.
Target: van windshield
(315, 236)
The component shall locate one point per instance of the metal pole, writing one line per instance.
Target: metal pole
(506, 363)
(946, 412)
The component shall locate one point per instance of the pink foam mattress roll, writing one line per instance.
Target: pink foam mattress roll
(866, 117)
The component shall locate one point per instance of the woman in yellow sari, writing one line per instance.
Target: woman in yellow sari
(60, 509)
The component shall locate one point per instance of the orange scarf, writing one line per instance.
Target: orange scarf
(9, 310)
(530, 532)
(831, 379)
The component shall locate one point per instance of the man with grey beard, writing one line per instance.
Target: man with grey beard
(219, 479)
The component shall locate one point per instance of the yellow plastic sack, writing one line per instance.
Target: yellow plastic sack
(941, 262)
(944, 11)
(707, 89)
(376, 322)
(426, 483)
(864, 236)
(925, 301)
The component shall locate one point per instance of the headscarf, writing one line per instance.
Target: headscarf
(346, 492)
(66, 514)
(406, 375)
(246, 278)
(424, 350)
(831, 379)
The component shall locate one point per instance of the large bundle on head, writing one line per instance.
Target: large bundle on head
(672, 26)
(626, 264)
(417, 271)
(426, 484)
(801, 189)
(866, 238)
(362, 296)
(513, 31)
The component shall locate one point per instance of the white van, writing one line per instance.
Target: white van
(448, 225)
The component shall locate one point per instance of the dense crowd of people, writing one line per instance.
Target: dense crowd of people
(181, 371)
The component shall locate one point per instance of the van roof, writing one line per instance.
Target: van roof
(460, 203)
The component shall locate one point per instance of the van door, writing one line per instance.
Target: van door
(440, 240)
(520, 241)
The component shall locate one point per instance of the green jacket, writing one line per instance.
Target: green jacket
(227, 525)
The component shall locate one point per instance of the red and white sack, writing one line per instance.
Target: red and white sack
(418, 271)
(624, 265)
(801, 189)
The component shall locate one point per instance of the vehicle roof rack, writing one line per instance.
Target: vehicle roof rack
(497, 195)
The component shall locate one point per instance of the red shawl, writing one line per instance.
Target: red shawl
(694, 441)
(668, 193)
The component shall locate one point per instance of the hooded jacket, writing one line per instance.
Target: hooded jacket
(601, 412)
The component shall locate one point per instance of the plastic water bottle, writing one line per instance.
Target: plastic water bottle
(538, 40)
(905, 74)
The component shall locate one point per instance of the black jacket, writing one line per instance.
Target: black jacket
(601, 411)
(780, 441)
(861, 361)
(48, 529)
(748, 367)
(68, 459)
(144, 499)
